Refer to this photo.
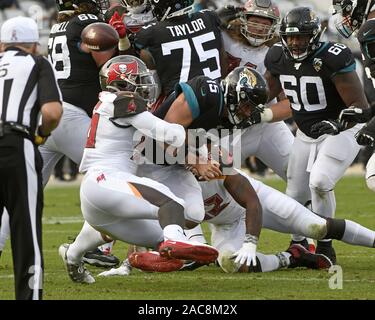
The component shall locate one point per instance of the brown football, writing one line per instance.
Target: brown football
(99, 36)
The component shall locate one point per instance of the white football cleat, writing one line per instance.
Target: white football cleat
(77, 272)
(124, 270)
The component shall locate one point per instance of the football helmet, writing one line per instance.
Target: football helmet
(128, 73)
(300, 21)
(244, 89)
(166, 9)
(258, 33)
(136, 6)
(65, 5)
(366, 38)
(349, 15)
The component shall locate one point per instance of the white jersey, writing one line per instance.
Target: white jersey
(219, 205)
(110, 143)
(134, 21)
(240, 54)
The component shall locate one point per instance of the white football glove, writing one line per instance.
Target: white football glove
(247, 253)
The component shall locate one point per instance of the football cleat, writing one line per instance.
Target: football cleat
(188, 250)
(325, 247)
(99, 259)
(77, 272)
(152, 261)
(123, 270)
(301, 257)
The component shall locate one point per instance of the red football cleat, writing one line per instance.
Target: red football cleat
(152, 261)
(185, 250)
(301, 257)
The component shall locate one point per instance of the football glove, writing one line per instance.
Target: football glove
(118, 24)
(366, 136)
(332, 127)
(354, 114)
(248, 251)
(227, 14)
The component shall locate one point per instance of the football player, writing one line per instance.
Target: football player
(320, 80)
(192, 40)
(357, 17)
(202, 104)
(114, 200)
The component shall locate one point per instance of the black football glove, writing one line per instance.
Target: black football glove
(366, 136)
(227, 14)
(256, 115)
(356, 115)
(332, 127)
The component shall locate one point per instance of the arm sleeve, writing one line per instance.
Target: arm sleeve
(155, 128)
(48, 89)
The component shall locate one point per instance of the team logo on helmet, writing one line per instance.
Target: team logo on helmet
(247, 78)
(122, 71)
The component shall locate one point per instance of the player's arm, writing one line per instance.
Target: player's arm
(242, 192)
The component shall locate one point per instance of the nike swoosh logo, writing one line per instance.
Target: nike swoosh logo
(366, 33)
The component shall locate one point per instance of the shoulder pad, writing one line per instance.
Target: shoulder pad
(338, 57)
(128, 104)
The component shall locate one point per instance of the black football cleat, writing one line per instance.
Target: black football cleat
(326, 248)
(99, 259)
(301, 257)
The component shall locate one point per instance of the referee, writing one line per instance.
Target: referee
(30, 109)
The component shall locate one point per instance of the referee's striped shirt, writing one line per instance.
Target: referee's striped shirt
(26, 83)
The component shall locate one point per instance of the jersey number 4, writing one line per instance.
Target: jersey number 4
(203, 55)
(297, 90)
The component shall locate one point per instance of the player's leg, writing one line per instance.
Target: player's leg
(4, 230)
(330, 165)
(370, 173)
(298, 177)
(275, 146)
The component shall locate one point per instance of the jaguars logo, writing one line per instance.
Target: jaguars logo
(247, 78)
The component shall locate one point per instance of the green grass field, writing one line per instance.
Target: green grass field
(62, 219)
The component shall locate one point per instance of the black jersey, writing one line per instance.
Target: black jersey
(183, 47)
(205, 99)
(76, 71)
(309, 84)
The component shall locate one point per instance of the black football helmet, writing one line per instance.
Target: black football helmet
(165, 9)
(349, 15)
(366, 39)
(128, 73)
(244, 88)
(300, 21)
(64, 5)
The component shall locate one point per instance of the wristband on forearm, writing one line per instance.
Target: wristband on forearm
(124, 44)
(266, 115)
(251, 239)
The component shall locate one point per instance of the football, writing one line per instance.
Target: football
(99, 36)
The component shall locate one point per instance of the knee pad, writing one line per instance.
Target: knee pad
(321, 183)
(370, 181)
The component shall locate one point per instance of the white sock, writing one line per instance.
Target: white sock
(269, 262)
(4, 230)
(358, 235)
(298, 238)
(174, 232)
(88, 239)
(196, 234)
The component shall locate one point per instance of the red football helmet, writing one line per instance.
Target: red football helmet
(128, 73)
(258, 33)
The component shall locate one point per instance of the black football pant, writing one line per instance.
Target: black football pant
(21, 193)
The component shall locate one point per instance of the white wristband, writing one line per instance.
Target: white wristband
(124, 44)
(266, 115)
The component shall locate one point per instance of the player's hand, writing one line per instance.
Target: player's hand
(228, 13)
(247, 253)
(256, 115)
(366, 136)
(354, 114)
(207, 171)
(325, 127)
(117, 22)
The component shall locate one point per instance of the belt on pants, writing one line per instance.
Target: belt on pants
(9, 128)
